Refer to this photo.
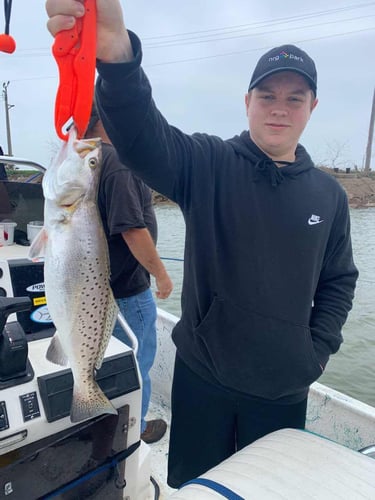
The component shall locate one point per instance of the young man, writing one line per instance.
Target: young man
(129, 221)
(269, 276)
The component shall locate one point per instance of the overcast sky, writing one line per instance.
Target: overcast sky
(199, 56)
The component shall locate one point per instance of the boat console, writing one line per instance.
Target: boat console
(42, 454)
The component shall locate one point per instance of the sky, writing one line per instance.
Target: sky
(199, 57)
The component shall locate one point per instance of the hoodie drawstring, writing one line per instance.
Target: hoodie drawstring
(267, 168)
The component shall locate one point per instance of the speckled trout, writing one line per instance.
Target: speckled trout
(76, 271)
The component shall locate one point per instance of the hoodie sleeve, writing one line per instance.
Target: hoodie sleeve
(159, 153)
(335, 291)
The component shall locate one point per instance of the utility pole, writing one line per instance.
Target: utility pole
(7, 108)
(370, 136)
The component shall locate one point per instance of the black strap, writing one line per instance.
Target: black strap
(107, 464)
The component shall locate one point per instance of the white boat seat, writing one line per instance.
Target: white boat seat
(290, 464)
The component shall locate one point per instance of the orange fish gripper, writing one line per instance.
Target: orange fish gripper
(75, 53)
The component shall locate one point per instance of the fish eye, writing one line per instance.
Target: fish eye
(92, 162)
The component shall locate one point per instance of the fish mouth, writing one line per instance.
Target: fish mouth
(72, 205)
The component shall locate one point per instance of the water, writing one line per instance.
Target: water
(352, 369)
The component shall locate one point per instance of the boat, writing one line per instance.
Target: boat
(336, 423)
(44, 455)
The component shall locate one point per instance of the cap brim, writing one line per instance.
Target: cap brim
(310, 81)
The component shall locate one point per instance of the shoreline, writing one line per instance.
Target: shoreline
(360, 189)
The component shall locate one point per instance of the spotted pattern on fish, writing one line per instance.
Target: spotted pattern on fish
(76, 269)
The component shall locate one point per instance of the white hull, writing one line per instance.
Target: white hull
(330, 413)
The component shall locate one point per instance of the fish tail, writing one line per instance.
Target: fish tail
(90, 404)
(55, 352)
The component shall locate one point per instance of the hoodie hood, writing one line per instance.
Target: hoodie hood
(264, 166)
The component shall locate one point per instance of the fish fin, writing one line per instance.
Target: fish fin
(91, 404)
(38, 245)
(55, 352)
(110, 321)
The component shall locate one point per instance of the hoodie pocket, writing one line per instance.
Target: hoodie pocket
(257, 354)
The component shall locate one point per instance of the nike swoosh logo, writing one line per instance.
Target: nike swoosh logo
(313, 222)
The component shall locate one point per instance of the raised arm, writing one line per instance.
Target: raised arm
(113, 44)
(160, 154)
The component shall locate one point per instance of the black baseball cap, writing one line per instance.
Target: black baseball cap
(285, 58)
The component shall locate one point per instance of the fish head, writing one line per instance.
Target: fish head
(73, 176)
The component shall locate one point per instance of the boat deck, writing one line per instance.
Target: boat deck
(159, 454)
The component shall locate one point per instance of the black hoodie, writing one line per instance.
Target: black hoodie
(268, 271)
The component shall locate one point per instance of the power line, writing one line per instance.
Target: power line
(256, 49)
(263, 23)
(226, 54)
(216, 32)
(251, 35)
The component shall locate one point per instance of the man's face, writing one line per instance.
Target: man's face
(278, 110)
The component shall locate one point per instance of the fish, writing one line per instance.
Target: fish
(77, 271)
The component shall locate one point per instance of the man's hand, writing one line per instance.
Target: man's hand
(164, 286)
(113, 44)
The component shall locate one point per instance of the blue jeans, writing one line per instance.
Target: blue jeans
(140, 313)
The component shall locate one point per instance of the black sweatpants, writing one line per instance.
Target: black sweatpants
(210, 423)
